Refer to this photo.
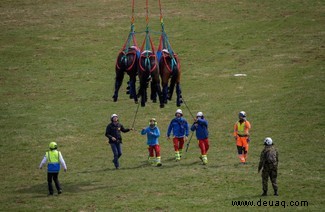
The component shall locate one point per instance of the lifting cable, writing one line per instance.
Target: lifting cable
(165, 44)
(147, 45)
(131, 35)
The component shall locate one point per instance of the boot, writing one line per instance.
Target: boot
(264, 193)
(276, 193)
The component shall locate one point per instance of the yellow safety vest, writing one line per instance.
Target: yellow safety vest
(53, 164)
(241, 128)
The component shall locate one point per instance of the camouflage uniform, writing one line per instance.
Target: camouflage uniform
(269, 168)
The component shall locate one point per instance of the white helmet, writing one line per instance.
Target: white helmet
(179, 111)
(268, 141)
(113, 115)
(199, 114)
(242, 114)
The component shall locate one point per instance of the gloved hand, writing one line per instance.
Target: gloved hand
(248, 140)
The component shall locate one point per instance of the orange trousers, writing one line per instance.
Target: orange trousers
(242, 148)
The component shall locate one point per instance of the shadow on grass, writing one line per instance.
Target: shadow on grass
(41, 190)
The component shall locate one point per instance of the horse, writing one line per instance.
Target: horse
(148, 71)
(170, 73)
(127, 61)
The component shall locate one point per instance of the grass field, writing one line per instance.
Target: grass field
(56, 83)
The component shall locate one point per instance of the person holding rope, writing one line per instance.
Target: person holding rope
(180, 129)
(153, 134)
(200, 125)
(242, 136)
(113, 133)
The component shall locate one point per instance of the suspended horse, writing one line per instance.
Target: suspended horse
(149, 73)
(170, 74)
(169, 67)
(127, 62)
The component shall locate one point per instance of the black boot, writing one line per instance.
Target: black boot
(276, 193)
(264, 193)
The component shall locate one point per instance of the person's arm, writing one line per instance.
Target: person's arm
(261, 164)
(43, 162)
(62, 162)
(235, 131)
(202, 122)
(247, 127)
(186, 129)
(193, 127)
(156, 133)
(123, 129)
(277, 156)
(170, 127)
(108, 132)
(144, 131)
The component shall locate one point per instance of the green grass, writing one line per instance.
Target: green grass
(56, 82)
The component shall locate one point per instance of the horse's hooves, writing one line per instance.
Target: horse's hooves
(178, 104)
(114, 98)
(154, 100)
(162, 106)
(128, 92)
(142, 104)
(136, 102)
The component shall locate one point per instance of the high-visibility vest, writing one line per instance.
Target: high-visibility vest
(241, 128)
(53, 164)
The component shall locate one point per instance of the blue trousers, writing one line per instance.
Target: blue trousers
(117, 151)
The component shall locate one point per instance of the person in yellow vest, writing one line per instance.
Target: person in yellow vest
(242, 137)
(53, 158)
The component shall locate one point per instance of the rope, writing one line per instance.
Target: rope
(147, 12)
(187, 107)
(189, 141)
(161, 14)
(135, 115)
(132, 18)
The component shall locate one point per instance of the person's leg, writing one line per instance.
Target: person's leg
(240, 154)
(151, 155)
(176, 148)
(49, 183)
(57, 183)
(119, 149)
(245, 145)
(265, 177)
(204, 146)
(115, 153)
(157, 151)
(181, 146)
(207, 146)
(273, 177)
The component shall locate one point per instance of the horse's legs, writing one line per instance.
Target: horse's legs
(118, 82)
(153, 95)
(165, 92)
(133, 89)
(142, 92)
(171, 89)
(157, 88)
(178, 94)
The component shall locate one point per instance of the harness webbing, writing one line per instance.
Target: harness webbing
(164, 42)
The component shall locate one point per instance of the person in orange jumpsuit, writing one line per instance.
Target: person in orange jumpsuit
(242, 137)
